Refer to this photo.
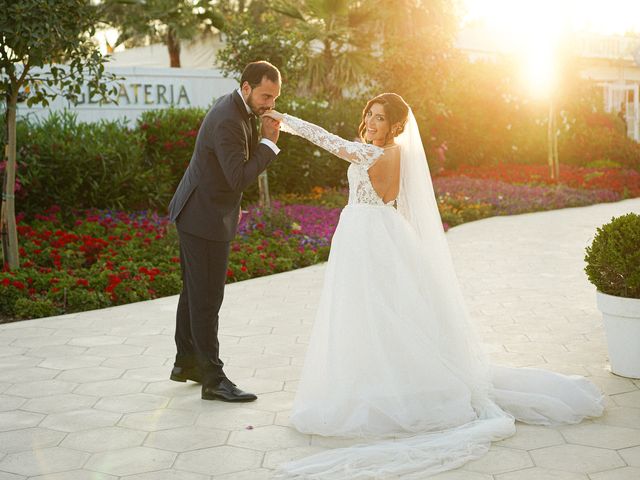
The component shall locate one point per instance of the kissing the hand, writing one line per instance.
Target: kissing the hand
(274, 114)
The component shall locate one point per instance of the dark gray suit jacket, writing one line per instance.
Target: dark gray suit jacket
(225, 161)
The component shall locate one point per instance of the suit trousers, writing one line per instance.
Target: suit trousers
(204, 272)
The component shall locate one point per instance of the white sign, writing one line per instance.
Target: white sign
(142, 89)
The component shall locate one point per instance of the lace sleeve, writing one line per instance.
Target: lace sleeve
(354, 152)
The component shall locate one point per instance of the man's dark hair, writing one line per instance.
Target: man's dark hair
(256, 71)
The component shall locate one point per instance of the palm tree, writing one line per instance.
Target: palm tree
(338, 42)
(168, 21)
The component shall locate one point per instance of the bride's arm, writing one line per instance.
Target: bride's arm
(354, 152)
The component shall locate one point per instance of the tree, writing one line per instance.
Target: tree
(258, 35)
(166, 21)
(417, 51)
(36, 36)
(339, 43)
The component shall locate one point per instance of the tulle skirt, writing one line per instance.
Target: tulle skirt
(393, 362)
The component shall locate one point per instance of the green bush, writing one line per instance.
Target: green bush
(82, 165)
(169, 138)
(613, 258)
(27, 308)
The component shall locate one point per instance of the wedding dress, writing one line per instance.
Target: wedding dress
(393, 359)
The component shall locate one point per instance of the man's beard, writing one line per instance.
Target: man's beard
(256, 111)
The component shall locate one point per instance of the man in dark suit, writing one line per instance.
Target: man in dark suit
(227, 158)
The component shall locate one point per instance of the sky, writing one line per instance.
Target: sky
(598, 16)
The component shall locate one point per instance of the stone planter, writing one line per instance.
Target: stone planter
(621, 318)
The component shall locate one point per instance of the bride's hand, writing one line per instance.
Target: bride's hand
(277, 116)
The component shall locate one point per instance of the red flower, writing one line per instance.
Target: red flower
(6, 282)
(82, 282)
(18, 284)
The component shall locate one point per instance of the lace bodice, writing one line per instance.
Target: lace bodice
(361, 156)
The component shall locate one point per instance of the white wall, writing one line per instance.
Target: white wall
(142, 89)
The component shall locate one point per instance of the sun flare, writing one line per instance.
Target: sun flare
(535, 29)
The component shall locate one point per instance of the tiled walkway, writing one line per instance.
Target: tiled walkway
(86, 396)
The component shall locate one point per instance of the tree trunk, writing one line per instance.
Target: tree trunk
(263, 189)
(173, 44)
(8, 211)
(551, 136)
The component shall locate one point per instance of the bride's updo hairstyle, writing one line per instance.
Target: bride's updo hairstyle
(395, 108)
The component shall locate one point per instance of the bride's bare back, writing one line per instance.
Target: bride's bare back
(384, 174)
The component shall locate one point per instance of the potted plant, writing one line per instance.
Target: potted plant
(613, 266)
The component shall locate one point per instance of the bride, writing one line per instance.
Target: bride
(393, 359)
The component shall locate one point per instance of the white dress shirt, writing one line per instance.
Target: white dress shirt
(266, 141)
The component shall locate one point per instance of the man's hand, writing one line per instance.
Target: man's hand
(270, 128)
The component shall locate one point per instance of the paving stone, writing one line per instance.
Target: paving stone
(29, 439)
(631, 399)
(537, 473)
(11, 476)
(236, 418)
(147, 374)
(259, 474)
(138, 361)
(77, 420)
(56, 351)
(219, 460)
(631, 456)
(130, 461)
(110, 387)
(460, 475)
(277, 457)
(604, 436)
(71, 361)
(59, 403)
(184, 439)
(620, 416)
(104, 439)
(43, 461)
(500, 460)
(26, 375)
(158, 420)
(17, 361)
(8, 402)
(626, 473)
(75, 475)
(529, 437)
(15, 420)
(135, 402)
(90, 374)
(44, 388)
(111, 351)
(271, 437)
(613, 385)
(167, 475)
(576, 458)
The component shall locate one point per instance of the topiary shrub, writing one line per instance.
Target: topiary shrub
(613, 258)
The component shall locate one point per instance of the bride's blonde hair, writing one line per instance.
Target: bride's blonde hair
(395, 108)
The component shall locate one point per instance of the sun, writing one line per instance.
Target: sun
(537, 28)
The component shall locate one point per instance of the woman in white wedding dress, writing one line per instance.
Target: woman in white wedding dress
(393, 359)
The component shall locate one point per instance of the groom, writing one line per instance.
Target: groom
(227, 158)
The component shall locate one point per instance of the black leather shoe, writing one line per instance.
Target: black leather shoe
(226, 391)
(182, 374)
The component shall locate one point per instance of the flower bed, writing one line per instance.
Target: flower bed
(107, 258)
(624, 182)
(494, 197)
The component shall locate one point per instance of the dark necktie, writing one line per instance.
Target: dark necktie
(254, 131)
